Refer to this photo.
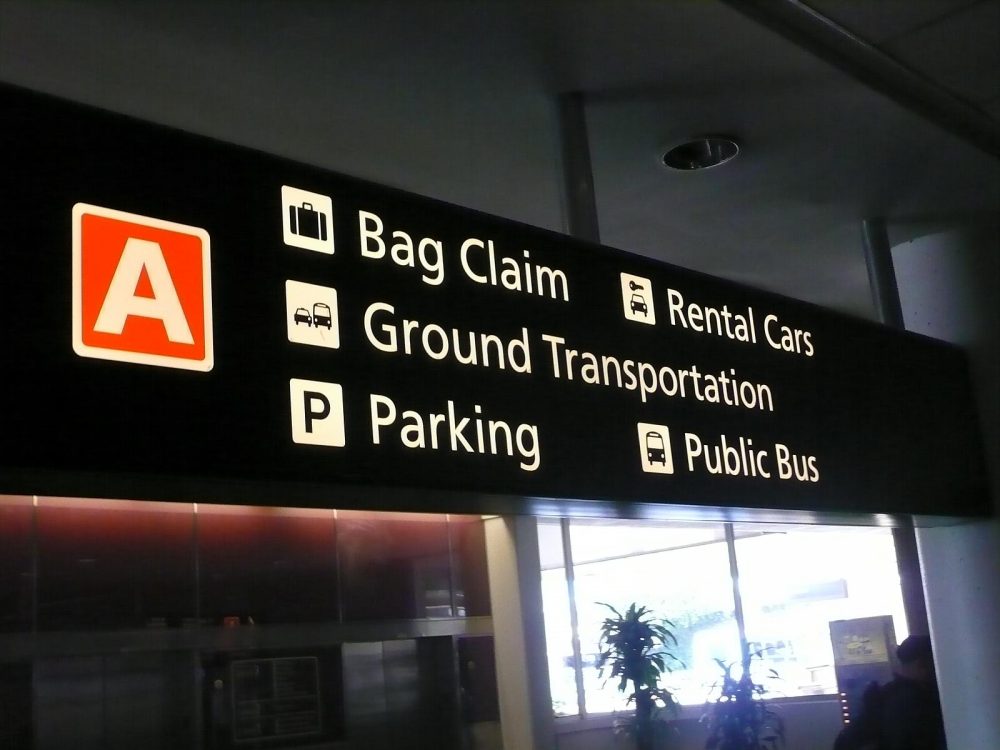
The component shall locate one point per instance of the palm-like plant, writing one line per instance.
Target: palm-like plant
(634, 648)
(740, 718)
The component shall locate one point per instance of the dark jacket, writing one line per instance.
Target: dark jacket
(911, 716)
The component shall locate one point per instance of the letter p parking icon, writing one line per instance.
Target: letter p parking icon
(317, 412)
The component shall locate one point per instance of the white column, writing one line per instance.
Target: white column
(949, 284)
(519, 633)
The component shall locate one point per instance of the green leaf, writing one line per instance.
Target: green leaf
(634, 650)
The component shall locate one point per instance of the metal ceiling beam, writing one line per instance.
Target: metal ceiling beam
(865, 62)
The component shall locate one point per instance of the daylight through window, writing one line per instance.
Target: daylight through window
(793, 581)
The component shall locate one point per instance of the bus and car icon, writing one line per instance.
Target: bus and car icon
(319, 317)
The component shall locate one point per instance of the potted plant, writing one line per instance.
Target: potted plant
(740, 718)
(634, 649)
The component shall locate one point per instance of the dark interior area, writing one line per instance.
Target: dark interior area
(162, 625)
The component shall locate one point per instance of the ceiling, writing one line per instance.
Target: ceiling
(457, 100)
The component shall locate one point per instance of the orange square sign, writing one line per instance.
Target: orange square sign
(142, 290)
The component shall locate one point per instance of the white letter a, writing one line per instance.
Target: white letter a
(121, 300)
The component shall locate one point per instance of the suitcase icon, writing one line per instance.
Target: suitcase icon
(305, 221)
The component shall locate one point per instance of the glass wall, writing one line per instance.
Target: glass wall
(129, 624)
(792, 581)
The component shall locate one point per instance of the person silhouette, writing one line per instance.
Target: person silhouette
(910, 709)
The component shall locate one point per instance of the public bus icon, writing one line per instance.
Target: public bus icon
(654, 448)
(322, 316)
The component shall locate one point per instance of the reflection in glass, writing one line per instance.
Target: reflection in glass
(471, 576)
(393, 565)
(166, 575)
(267, 565)
(114, 564)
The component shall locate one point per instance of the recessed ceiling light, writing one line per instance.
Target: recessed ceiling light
(701, 153)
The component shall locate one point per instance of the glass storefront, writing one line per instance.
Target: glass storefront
(129, 624)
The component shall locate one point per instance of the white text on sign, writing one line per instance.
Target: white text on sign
(452, 430)
(740, 457)
(480, 260)
(737, 326)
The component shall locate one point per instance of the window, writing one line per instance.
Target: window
(793, 580)
(558, 621)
